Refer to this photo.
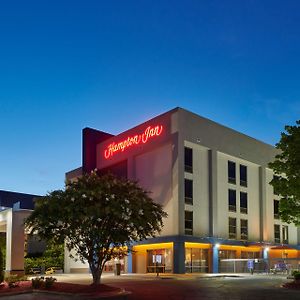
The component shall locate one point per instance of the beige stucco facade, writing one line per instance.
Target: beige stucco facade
(159, 166)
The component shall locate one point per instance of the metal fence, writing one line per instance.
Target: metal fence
(273, 265)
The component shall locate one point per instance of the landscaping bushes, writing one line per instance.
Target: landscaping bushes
(296, 275)
(13, 280)
(1, 266)
(40, 282)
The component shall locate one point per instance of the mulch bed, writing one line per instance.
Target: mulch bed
(292, 285)
(60, 287)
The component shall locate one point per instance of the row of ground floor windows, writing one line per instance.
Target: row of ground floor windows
(196, 260)
(209, 258)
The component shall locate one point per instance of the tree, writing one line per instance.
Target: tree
(286, 181)
(1, 266)
(98, 217)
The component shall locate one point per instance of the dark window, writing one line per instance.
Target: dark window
(188, 160)
(285, 234)
(277, 233)
(232, 228)
(244, 229)
(276, 178)
(188, 218)
(231, 172)
(232, 200)
(276, 209)
(188, 191)
(244, 202)
(243, 175)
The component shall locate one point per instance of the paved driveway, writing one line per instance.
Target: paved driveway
(185, 287)
(256, 287)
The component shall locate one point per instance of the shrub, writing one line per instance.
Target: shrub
(40, 282)
(1, 266)
(13, 280)
(37, 282)
(296, 275)
(49, 281)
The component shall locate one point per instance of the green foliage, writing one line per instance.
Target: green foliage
(286, 167)
(49, 281)
(53, 256)
(95, 213)
(40, 282)
(296, 275)
(37, 282)
(13, 280)
(1, 267)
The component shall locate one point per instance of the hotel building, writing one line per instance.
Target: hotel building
(211, 180)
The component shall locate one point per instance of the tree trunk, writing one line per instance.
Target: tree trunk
(96, 277)
(96, 273)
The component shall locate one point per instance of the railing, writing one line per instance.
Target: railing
(260, 265)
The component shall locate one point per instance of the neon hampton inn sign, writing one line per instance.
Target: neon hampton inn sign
(142, 138)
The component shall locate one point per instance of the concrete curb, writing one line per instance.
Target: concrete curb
(121, 295)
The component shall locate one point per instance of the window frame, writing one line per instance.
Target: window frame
(285, 234)
(188, 167)
(231, 233)
(230, 165)
(278, 238)
(243, 210)
(244, 236)
(276, 215)
(188, 230)
(244, 182)
(187, 199)
(231, 207)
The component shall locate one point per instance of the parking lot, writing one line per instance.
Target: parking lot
(192, 287)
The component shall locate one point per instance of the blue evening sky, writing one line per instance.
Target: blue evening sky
(110, 65)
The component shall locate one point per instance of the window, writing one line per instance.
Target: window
(188, 218)
(188, 160)
(232, 228)
(196, 260)
(227, 254)
(276, 209)
(231, 172)
(232, 200)
(244, 229)
(276, 178)
(250, 254)
(243, 175)
(285, 234)
(277, 233)
(159, 260)
(188, 191)
(243, 202)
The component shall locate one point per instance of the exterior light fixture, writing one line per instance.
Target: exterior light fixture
(217, 245)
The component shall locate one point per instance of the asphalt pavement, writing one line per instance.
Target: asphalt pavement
(189, 287)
